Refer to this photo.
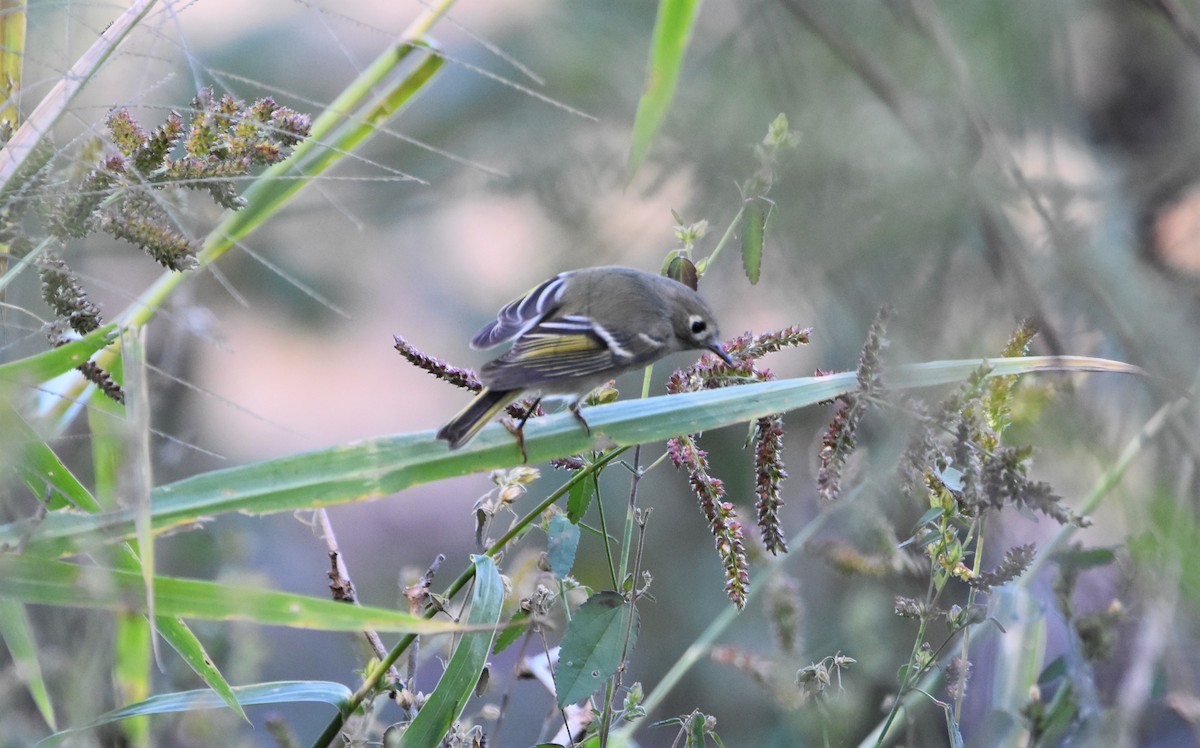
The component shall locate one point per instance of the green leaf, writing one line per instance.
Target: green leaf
(37, 580)
(446, 702)
(132, 662)
(754, 235)
(930, 515)
(579, 499)
(1085, 558)
(279, 692)
(516, 627)
(672, 30)
(185, 643)
(561, 543)
(17, 633)
(380, 467)
(39, 368)
(1055, 669)
(591, 648)
(39, 467)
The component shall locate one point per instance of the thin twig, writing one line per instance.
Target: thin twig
(343, 589)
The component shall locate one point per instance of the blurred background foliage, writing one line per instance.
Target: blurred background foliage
(972, 164)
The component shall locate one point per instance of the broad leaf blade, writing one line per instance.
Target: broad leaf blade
(562, 540)
(592, 647)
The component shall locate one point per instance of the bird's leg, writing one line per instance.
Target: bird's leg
(519, 430)
(574, 408)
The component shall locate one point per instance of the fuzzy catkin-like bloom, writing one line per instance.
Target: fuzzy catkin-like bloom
(784, 611)
(66, 297)
(769, 473)
(722, 519)
(464, 378)
(157, 237)
(456, 376)
(92, 372)
(1016, 561)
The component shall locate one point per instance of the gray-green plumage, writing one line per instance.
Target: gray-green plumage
(579, 329)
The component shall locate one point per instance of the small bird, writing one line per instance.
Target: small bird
(578, 330)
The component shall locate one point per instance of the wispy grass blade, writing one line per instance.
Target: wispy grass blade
(279, 692)
(38, 580)
(17, 633)
(672, 30)
(49, 364)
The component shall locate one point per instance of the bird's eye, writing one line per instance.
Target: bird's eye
(698, 325)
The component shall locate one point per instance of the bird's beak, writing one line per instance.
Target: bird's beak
(721, 354)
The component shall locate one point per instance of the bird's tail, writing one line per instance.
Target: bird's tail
(463, 427)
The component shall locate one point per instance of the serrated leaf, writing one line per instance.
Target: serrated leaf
(579, 499)
(1085, 558)
(562, 540)
(754, 233)
(591, 648)
(457, 684)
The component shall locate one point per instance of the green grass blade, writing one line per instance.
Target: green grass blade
(279, 692)
(38, 580)
(17, 633)
(185, 643)
(382, 466)
(132, 666)
(38, 368)
(39, 467)
(470, 656)
(672, 30)
(12, 58)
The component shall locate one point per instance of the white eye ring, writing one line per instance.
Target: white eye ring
(697, 324)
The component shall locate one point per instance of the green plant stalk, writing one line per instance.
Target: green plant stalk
(729, 231)
(375, 675)
(12, 58)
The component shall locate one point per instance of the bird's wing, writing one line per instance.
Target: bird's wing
(561, 349)
(521, 314)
